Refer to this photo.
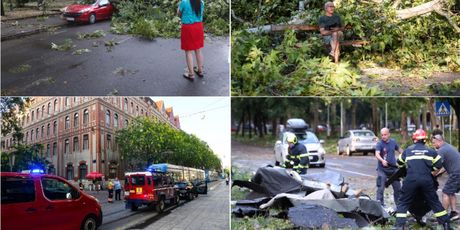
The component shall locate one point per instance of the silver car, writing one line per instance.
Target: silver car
(314, 147)
(357, 141)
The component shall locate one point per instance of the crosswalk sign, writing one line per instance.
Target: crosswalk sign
(442, 108)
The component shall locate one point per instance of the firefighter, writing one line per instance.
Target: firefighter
(419, 161)
(297, 157)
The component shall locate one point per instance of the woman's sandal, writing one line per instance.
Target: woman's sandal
(200, 74)
(188, 76)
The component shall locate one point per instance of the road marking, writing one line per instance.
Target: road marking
(343, 170)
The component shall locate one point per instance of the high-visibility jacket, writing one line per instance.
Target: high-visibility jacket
(297, 158)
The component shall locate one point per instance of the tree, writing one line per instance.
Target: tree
(24, 157)
(147, 141)
(10, 107)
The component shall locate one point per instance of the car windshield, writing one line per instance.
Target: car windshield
(363, 134)
(138, 180)
(86, 2)
(307, 138)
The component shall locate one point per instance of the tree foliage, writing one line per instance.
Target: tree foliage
(158, 18)
(25, 156)
(148, 141)
(10, 107)
(272, 64)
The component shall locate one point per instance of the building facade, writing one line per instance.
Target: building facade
(78, 133)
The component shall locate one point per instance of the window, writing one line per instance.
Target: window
(47, 150)
(54, 148)
(27, 136)
(107, 117)
(85, 117)
(85, 142)
(115, 120)
(66, 146)
(55, 105)
(142, 111)
(109, 141)
(43, 131)
(75, 120)
(125, 105)
(54, 128)
(132, 107)
(67, 101)
(82, 170)
(69, 172)
(43, 110)
(36, 134)
(48, 127)
(33, 115)
(126, 123)
(17, 190)
(75, 144)
(137, 110)
(49, 108)
(31, 135)
(38, 113)
(103, 2)
(55, 189)
(67, 122)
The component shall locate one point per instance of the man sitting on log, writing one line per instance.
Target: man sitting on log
(330, 27)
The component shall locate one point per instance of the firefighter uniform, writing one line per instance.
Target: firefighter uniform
(419, 161)
(297, 158)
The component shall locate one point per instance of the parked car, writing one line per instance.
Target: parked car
(40, 201)
(190, 190)
(357, 141)
(151, 189)
(316, 152)
(88, 11)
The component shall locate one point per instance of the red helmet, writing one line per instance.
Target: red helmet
(419, 134)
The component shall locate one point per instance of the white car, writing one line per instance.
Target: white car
(316, 152)
(358, 140)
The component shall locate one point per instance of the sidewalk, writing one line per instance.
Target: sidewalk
(13, 29)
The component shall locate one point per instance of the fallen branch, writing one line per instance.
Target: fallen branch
(449, 19)
(418, 10)
(236, 17)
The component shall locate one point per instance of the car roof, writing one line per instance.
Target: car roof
(30, 175)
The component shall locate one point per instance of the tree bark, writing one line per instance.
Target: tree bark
(424, 115)
(419, 10)
(333, 116)
(404, 126)
(354, 106)
(432, 114)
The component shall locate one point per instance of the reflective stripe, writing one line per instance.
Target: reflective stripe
(435, 168)
(419, 157)
(439, 214)
(400, 160)
(436, 159)
(300, 166)
(303, 155)
(401, 215)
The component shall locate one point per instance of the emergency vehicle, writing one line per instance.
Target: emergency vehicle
(154, 187)
(35, 200)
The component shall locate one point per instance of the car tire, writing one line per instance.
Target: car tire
(134, 207)
(365, 153)
(322, 165)
(92, 19)
(175, 200)
(160, 207)
(338, 151)
(190, 196)
(348, 151)
(89, 223)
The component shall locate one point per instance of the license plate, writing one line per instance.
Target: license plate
(138, 190)
(126, 193)
(70, 19)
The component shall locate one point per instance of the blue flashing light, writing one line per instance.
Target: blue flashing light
(37, 171)
(161, 168)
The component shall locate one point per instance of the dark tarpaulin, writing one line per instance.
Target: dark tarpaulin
(271, 181)
(317, 217)
(250, 207)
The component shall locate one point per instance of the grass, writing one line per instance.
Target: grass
(260, 222)
(265, 141)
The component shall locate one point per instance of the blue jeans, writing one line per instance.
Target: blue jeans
(381, 179)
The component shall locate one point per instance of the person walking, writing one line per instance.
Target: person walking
(451, 164)
(192, 35)
(117, 186)
(386, 165)
(420, 161)
(110, 189)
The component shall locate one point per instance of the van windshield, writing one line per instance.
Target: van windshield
(138, 180)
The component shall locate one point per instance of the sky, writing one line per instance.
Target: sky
(206, 117)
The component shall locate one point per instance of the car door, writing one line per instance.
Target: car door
(20, 204)
(103, 9)
(62, 203)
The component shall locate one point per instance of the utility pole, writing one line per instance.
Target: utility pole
(342, 118)
(386, 114)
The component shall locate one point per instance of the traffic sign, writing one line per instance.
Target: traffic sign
(442, 108)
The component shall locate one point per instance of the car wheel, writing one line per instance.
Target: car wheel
(92, 19)
(348, 151)
(322, 165)
(175, 200)
(89, 223)
(338, 151)
(190, 196)
(160, 206)
(134, 207)
(365, 153)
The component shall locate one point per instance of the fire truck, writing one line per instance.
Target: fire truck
(153, 187)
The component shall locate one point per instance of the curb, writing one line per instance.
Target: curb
(57, 12)
(27, 33)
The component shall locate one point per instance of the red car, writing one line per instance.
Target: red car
(40, 201)
(89, 11)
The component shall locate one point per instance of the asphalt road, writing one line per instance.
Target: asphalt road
(134, 67)
(209, 211)
(359, 171)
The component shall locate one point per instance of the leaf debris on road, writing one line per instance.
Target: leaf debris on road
(110, 44)
(20, 68)
(66, 46)
(80, 51)
(124, 72)
(95, 34)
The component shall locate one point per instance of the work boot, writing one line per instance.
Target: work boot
(454, 216)
(446, 226)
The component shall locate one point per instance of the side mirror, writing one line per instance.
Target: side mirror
(68, 196)
(321, 141)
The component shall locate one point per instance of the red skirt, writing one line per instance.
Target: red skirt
(192, 36)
